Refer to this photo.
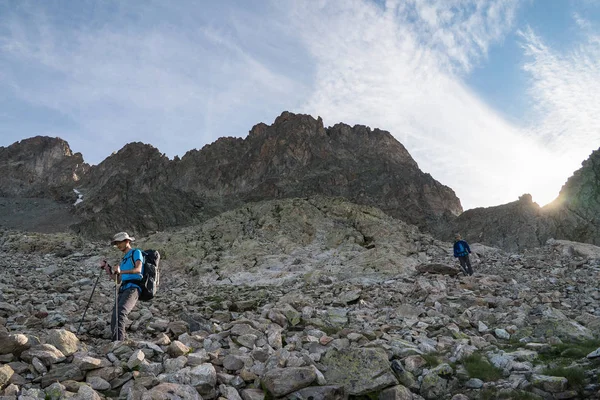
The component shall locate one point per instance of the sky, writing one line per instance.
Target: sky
(493, 98)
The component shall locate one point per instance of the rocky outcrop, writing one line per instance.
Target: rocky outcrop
(513, 226)
(297, 156)
(134, 189)
(40, 167)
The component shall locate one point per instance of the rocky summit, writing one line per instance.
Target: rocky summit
(301, 298)
(293, 157)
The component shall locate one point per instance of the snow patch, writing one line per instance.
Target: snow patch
(79, 197)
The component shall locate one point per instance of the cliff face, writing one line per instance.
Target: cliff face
(132, 190)
(140, 190)
(39, 167)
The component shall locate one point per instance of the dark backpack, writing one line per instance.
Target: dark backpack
(150, 274)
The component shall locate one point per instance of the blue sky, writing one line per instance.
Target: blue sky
(493, 98)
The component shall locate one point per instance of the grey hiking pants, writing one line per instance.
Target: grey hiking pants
(465, 264)
(127, 300)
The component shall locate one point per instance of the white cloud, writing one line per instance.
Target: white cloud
(565, 89)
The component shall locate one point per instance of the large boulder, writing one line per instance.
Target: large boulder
(282, 381)
(360, 371)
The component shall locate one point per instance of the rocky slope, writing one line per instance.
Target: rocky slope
(302, 298)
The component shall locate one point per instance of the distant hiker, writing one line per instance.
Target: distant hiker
(128, 271)
(462, 251)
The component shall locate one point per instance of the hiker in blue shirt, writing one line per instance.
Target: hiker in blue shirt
(462, 251)
(126, 273)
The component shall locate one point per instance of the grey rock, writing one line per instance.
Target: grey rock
(63, 340)
(45, 352)
(398, 392)
(282, 381)
(166, 391)
(60, 373)
(319, 393)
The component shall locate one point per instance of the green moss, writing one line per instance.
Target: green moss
(268, 395)
(479, 367)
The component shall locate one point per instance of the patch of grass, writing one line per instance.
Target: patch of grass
(513, 344)
(432, 359)
(488, 394)
(523, 395)
(494, 394)
(479, 367)
(572, 351)
(575, 375)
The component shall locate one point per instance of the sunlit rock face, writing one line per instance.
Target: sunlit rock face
(574, 215)
(513, 226)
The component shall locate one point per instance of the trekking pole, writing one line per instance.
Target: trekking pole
(88, 303)
(116, 332)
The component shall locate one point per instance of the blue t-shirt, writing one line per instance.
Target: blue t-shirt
(127, 263)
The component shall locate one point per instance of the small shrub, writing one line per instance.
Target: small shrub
(478, 367)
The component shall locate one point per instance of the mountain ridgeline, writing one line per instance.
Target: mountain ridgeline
(140, 190)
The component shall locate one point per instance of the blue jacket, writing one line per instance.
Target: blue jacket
(461, 248)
